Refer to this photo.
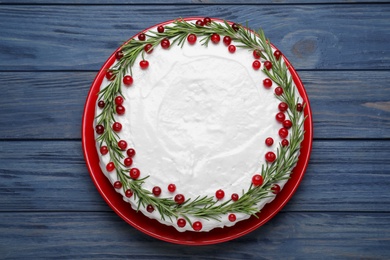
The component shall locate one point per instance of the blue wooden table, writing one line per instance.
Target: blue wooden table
(50, 52)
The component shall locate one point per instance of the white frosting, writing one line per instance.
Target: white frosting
(198, 117)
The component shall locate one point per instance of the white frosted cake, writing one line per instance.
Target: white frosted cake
(198, 124)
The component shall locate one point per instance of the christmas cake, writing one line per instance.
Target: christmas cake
(198, 123)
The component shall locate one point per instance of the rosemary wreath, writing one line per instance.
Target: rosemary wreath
(203, 207)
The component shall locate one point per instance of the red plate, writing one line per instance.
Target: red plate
(170, 234)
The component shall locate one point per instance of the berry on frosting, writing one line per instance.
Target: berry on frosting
(285, 142)
(269, 141)
(277, 54)
(171, 187)
(227, 40)
(257, 54)
(128, 193)
(299, 107)
(148, 48)
(117, 126)
(287, 124)
(99, 129)
(199, 23)
(267, 83)
(283, 106)
(235, 197)
(128, 161)
(141, 37)
(165, 43)
(150, 208)
(101, 104)
(119, 100)
(219, 194)
(156, 191)
(160, 29)
(191, 38)
(127, 80)
(270, 157)
(181, 222)
(232, 217)
(235, 27)
(256, 65)
(279, 91)
(110, 166)
(275, 189)
(130, 152)
(283, 132)
(110, 75)
(257, 180)
(268, 65)
(103, 150)
(120, 110)
(197, 226)
(144, 64)
(280, 117)
(232, 48)
(215, 38)
(134, 173)
(179, 199)
(119, 55)
(207, 21)
(122, 144)
(117, 185)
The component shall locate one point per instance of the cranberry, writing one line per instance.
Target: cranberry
(103, 150)
(120, 110)
(287, 124)
(270, 157)
(119, 100)
(130, 152)
(257, 180)
(199, 23)
(232, 48)
(171, 187)
(99, 129)
(277, 54)
(101, 104)
(150, 208)
(215, 38)
(110, 75)
(235, 27)
(227, 40)
(134, 173)
(156, 191)
(256, 65)
(144, 64)
(207, 21)
(299, 107)
(148, 48)
(283, 132)
(110, 166)
(141, 37)
(269, 141)
(267, 83)
(257, 54)
(283, 106)
(127, 80)
(285, 142)
(279, 91)
(128, 193)
(122, 144)
(191, 38)
(179, 199)
(128, 162)
(117, 185)
(232, 217)
(181, 222)
(165, 43)
(160, 29)
(197, 226)
(219, 194)
(280, 117)
(235, 197)
(275, 189)
(268, 65)
(117, 126)
(119, 55)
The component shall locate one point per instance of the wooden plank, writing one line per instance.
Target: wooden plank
(49, 37)
(52, 176)
(100, 235)
(345, 104)
(241, 2)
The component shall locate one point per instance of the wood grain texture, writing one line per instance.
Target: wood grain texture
(73, 37)
(101, 235)
(352, 105)
(342, 176)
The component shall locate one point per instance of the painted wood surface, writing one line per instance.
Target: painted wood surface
(50, 51)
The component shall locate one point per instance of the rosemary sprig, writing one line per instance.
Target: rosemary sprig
(203, 207)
